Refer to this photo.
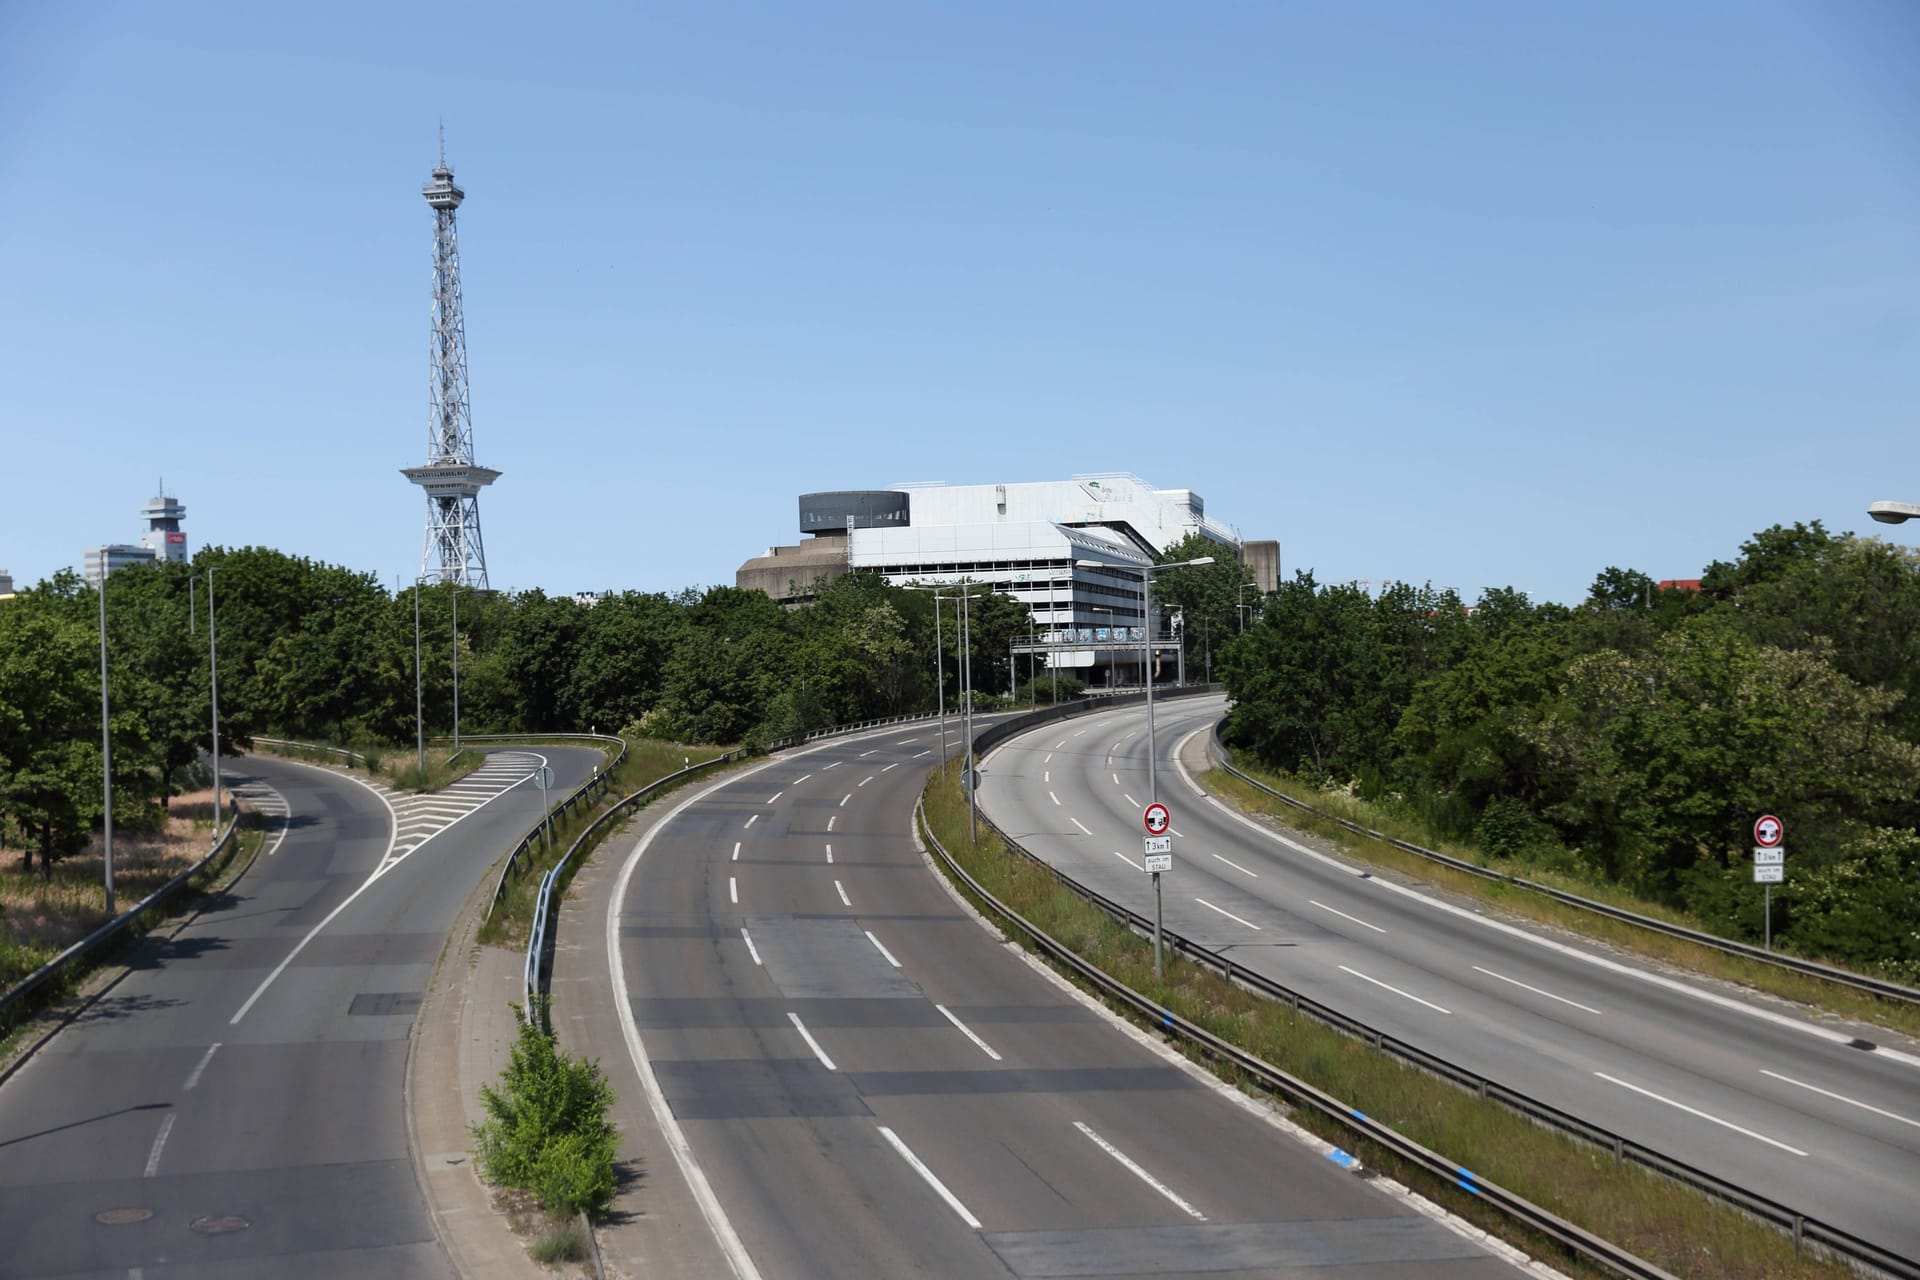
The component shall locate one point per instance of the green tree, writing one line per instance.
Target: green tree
(1207, 597)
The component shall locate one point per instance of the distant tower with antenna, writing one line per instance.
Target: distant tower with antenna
(453, 552)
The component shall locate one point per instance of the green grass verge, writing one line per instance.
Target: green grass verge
(1662, 1221)
(1528, 904)
(646, 762)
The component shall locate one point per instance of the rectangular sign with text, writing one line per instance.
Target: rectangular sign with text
(1158, 862)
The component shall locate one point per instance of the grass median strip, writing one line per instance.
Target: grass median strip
(1530, 905)
(646, 762)
(1662, 1221)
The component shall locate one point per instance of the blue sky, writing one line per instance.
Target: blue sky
(1476, 293)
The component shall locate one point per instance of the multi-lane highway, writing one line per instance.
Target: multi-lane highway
(869, 1085)
(1750, 1089)
(233, 1105)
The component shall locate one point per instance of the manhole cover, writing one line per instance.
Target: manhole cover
(121, 1217)
(219, 1225)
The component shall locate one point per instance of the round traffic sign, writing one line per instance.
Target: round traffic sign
(1768, 831)
(1157, 819)
(543, 777)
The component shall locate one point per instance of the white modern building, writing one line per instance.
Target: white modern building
(163, 542)
(1022, 539)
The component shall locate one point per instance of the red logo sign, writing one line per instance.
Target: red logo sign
(176, 537)
(1769, 831)
(1158, 819)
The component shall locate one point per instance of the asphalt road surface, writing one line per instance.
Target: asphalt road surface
(872, 1086)
(1745, 1088)
(233, 1106)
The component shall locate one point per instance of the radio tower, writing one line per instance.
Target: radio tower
(453, 550)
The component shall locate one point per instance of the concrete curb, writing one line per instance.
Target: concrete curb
(461, 1038)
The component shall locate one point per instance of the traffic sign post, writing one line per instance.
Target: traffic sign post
(544, 776)
(1157, 820)
(1769, 862)
(1159, 857)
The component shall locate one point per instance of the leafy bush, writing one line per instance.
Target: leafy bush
(546, 1129)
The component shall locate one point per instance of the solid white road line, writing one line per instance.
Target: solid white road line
(1237, 867)
(751, 949)
(194, 1077)
(1083, 826)
(1725, 1124)
(1129, 861)
(967, 1031)
(882, 950)
(1228, 914)
(906, 1153)
(812, 1044)
(842, 891)
(1537, 991)
(736, 851)
(1134, 1169)
(159, 1142)
(1397, 991)
(1839, 1097)
(1344, 916)
(1056, 799)
(755, 818)
(733, 890)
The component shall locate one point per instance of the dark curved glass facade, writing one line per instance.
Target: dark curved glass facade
(869, 508)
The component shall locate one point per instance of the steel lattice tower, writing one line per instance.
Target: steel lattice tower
(453, 552)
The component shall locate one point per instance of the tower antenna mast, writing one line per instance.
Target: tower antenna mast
(453, 551)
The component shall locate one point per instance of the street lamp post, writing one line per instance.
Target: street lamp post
(456, 671)
(213, 672)
(106, 740)
(419, 696)
(1146, 573)
(966, 692)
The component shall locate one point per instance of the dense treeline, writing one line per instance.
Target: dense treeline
(317, 651)
(1636, 737)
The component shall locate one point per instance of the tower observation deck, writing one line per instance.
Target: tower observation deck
(451, 479)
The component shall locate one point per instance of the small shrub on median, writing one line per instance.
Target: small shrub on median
(546, 1130)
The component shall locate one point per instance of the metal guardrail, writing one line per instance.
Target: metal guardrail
(16, 996)
(535, 972)
(351, 757)
(1569, 1236)
(1810, 968)
(1802, 1228)
(599, 782)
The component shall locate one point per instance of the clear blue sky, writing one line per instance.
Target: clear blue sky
(1476, 293)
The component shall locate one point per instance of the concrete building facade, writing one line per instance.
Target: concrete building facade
(164, 542)
(1022, 539)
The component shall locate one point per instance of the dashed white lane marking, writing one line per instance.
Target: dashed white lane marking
(831, 820)
(1049, 759)
(894, 765)
(159, 1143)
(967, 1031)
(1536, 990)
(1134, 1169)
(812, 1044)
(829, 854)
(1116, 779)
(843, 800)
(1129, 861)
(842, 891)
(193, 1078)
(1082, 733)
(1130, 800)
(865, 754)
(1344, 916)
(863, 782)
(835, 765)
(1839, 1097)
(1725, 1124)
(797, 781)
(1083, 826)
(733, 890)
(1397, 991)
(736, 852)
(1060, 744)
(1178, 832)
(1237, 867)
(1046, 775)
(881, 949)
(775, 796)
(755, 818)
(1056, 799)
(906, 1153)
(1228, 914)
(901, 742)
(918, 754)
(751, 949)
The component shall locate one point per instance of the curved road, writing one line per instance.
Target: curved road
(871, 1086)
(1740, 1086)
(233, 1105)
